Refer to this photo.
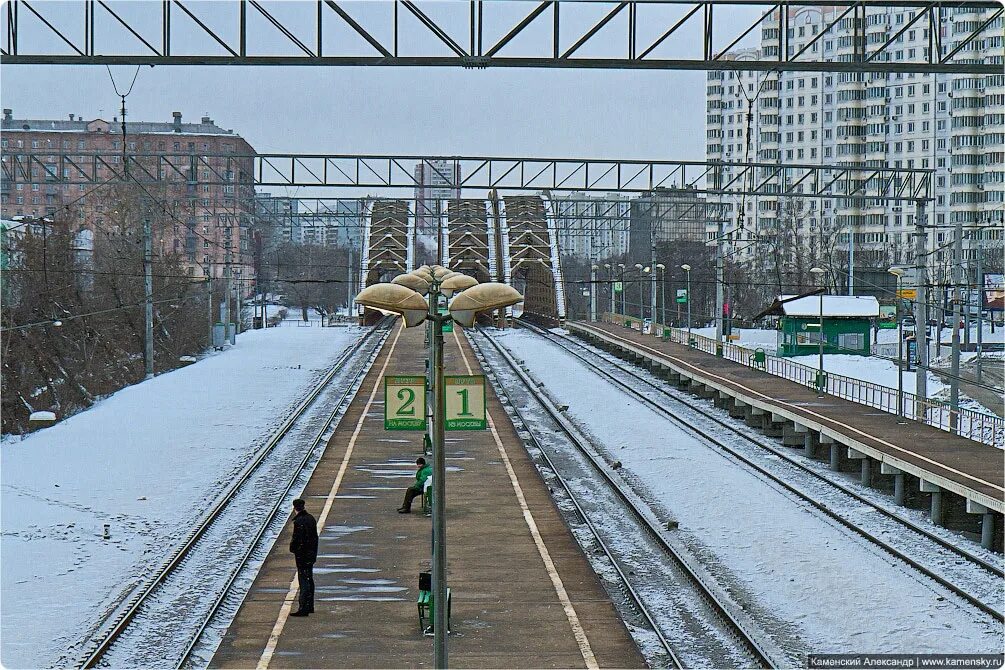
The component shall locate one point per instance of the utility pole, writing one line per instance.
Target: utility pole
(954, 381)
(209, 309)
(226, 293)
(593, 276)
(652, 282)
(719, 292)
(352, 291)
(980, 311)
(921, 305)
(851, 256)
(148, 289)
(593, 291)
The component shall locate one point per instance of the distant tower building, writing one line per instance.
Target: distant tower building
(436, 180)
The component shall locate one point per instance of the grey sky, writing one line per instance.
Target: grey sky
(430, 111)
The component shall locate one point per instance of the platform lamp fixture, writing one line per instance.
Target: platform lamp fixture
(898, 273)
(687, 270)
(821, 383)
(469, 299)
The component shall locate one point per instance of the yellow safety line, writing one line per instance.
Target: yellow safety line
(284, 612)
(556, 580)
(798, 408)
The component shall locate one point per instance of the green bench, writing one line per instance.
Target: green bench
(426, 609)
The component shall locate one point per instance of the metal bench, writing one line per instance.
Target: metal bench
(426, 610)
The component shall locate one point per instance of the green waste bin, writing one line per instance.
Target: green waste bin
(760, 358)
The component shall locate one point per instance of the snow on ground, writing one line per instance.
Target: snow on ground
(752, 338)
(837, 592)
(146, 461)
(887, 335)
(869, 369)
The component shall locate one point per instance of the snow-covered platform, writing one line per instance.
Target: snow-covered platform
(523, 593)
(936, 460)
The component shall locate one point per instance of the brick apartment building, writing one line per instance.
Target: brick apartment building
(50, 163)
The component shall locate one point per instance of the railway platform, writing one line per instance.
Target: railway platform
(936, 461)
(523, 593)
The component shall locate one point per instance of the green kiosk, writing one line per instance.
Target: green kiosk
(847, 324)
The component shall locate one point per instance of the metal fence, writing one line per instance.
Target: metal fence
(978, 426)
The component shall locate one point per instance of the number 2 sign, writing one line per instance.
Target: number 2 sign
(465, 402)
(404, 403)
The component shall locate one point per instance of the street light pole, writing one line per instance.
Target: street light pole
(593, 293)
(687, 269)
(898, 273)
(820, 339)
(638, 266)
(663, 290)
(622, 267)
(610, 283)
(439, 489)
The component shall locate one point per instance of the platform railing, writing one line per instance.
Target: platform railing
(978, 426)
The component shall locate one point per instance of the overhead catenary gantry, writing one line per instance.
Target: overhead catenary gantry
(628, 34)
(371, 172)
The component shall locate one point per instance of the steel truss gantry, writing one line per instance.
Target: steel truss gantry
(628, 34)
(482, 173)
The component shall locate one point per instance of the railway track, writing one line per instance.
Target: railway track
(696, 622)
(895, 534)
(224, 530)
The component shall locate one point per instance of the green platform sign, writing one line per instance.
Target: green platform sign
(448, 325)
(681, 295)
(404, 403)
(464, 402)
(617, 287)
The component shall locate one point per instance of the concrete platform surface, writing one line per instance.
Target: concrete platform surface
(969, 468)
(519, 601)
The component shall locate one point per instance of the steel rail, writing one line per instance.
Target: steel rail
(347, 394)
(134, 602)
(625, 583)
(789, 487)
(737, 629)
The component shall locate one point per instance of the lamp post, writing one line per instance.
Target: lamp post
(638, 266)
(621, 266)
(819, 272)
(663, 291)
(610, 283)
(898, 273)
(593, 292)
(687, 269)
(404, 297)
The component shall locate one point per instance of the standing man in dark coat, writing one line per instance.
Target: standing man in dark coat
(304, 546)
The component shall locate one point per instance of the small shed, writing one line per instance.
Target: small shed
(847, 323)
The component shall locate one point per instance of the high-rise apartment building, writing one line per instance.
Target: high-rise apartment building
(952, 124)
(435, 181)
(207, 207)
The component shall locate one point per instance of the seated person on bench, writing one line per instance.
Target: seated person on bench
(415, 490)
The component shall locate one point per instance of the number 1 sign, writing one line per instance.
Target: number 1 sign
(465, 402)
(404, 403)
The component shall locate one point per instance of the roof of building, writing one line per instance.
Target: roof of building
(834, 306)
(206, 126)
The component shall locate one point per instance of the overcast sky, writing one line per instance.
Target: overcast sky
(429, 111)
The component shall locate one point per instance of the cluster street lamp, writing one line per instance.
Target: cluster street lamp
(819, 272)
(898, 273)
(404, 296)
(687, 270)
